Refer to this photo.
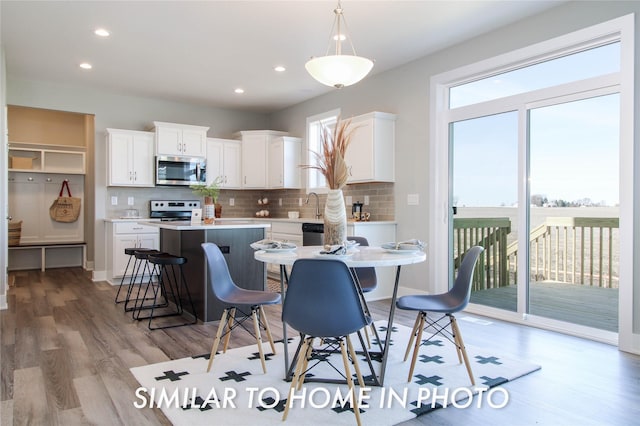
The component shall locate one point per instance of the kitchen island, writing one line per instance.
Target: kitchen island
(181, 238)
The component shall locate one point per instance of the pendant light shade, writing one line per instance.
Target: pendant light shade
(339, 70)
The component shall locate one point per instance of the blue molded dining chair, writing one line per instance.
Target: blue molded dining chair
(228, 292)
(322, 301)
(368, 281)
(455, 300)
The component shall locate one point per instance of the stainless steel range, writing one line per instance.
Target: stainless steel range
(172, 209)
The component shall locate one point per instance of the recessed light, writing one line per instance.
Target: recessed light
(102, 32)
(86, 66)
(239, 90)
(279, 68)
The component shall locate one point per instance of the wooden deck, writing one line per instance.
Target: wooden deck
(579, 304)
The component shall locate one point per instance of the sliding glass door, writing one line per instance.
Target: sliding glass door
(574, 211)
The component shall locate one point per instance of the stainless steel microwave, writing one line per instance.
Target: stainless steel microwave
(180, 170)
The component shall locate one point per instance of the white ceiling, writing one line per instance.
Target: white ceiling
(200, 51)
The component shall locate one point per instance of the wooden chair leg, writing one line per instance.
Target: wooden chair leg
(347, 370)
(305, 362)
(417, 345)
(294, 380)
(232, 317)
(263, 317)
(366, 335)
(354, 359)
(460, 345)
(216, 341)
(256, 329)
(414, 330)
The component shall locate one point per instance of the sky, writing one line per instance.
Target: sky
(573, 147)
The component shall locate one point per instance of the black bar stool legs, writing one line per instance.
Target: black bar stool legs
(167, 294)
(142, 269)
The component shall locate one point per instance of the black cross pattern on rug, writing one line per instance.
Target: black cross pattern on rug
(232, 375)
(427, 342)
(423, 380)
(289, 340)
(376, 342)
(256, 355)
(347, 407)
(435, 358)
(488, 360)
(316, 356)
(493, 381)
(375, 356)
(424, 408)
(268, 404)
(385, 328)
(203, 356)
(171, 375)
(198, 404)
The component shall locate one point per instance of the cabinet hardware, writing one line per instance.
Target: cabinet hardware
(48, 179)
(30, 179)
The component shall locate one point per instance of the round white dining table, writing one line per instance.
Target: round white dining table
(369, 256)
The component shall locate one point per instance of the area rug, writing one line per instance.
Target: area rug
(237, 392)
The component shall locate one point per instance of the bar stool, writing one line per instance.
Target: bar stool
(170, 291)
(141, 269)
(128, 251)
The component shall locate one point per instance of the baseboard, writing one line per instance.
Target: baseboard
(99, 276)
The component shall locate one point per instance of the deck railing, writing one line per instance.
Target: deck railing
(577, 250)
(492, 269)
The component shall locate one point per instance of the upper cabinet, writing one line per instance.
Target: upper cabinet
(224, 160)
(371, 154)
(255, 153)
(284, 162)
(130, 158)
(180, 139)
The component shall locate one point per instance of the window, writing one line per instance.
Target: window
(315, 180)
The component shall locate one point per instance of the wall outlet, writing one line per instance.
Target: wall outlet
(114, 200)
(280, 202)
(300, 202)
(413, 199)
(232, 202)
(366, 200)
(130, 201)
(348, 200)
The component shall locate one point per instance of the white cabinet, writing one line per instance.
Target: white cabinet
(224, 160)
(255, 153)
(122, 235)
(180, 139)
(371, 154)
(284, 231)
(284, 162)
(130, 158)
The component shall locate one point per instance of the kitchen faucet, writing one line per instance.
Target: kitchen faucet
(318, 215)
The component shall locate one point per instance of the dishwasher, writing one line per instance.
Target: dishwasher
(312, 234)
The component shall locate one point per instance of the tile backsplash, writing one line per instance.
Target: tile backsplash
(280, 202)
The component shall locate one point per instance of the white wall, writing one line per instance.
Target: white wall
(4, 202)
(116, 110)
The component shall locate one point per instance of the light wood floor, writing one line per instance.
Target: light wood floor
(66, 350)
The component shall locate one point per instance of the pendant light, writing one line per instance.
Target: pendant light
(339, 70)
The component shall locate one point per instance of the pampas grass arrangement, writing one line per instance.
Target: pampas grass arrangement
(330, 159)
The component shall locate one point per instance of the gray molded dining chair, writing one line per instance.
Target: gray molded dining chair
(368, 281)
(322, 301)
(228, 292)
(446, 304)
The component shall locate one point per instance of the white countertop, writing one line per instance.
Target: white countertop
(185, 225)
(230, 220)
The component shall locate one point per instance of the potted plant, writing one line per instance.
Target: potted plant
(331, 163)
(210, 193)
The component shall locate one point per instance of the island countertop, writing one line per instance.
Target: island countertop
(185, 225)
